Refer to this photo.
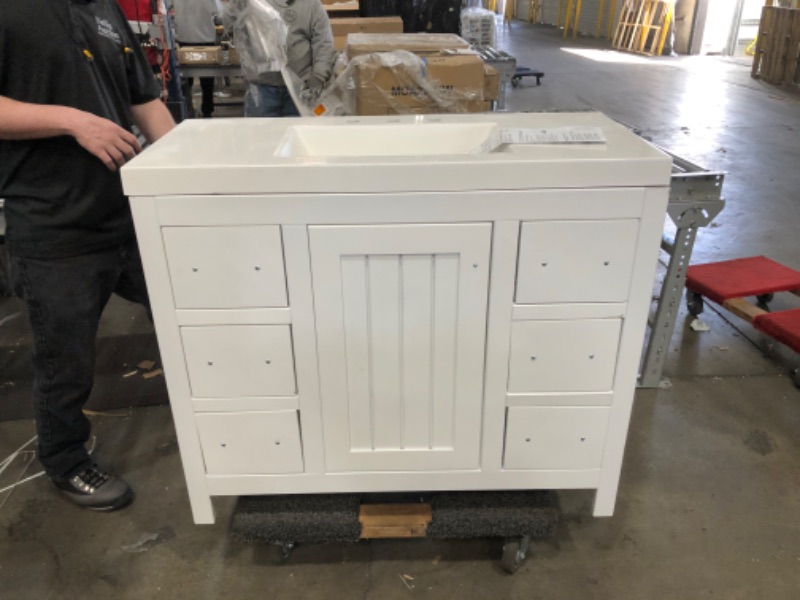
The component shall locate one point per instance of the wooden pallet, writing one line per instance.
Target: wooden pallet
(643, 26)
(777, 46)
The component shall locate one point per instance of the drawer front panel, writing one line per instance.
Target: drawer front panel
(555, 437)
(563, 356)
(575, 261)
(250, 443)
(226, 267)
(239, 360)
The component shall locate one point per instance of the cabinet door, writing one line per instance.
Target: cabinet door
(576, 261)
(401, 325)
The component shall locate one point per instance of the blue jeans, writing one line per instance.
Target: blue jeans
(65, 298)
(269, 101)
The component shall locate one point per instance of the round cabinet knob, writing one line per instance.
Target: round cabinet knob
(591, 357)
(195, 269)
(258, 268)
(544, 264)
(269, 362)
(607, 262)
(210, 363)
(533, 358)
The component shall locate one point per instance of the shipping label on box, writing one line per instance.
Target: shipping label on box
(200, 55)
(438, 84)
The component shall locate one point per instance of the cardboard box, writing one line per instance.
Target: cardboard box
(383, 90)
(343, 27)
(233, 56)
(200, 55)
(491, 83)
(418, 43)
(342, 8)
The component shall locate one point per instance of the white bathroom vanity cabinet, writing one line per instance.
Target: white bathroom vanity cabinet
(363, 305)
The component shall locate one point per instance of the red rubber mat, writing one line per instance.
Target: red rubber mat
(741, 277)
(784, 326)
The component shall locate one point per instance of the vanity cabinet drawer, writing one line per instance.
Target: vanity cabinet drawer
(226, 267)
(555, 437)
(239, 360)
(563, 356)
(575, 261)
(250, 443)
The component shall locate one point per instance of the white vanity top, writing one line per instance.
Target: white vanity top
(408, 153)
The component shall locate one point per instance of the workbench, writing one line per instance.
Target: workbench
(364, 305)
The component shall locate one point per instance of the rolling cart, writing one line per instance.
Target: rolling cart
(517, 517)
(526, 72)
(729, 283)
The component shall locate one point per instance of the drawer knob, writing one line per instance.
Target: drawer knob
(258, 268)
(607, 262)
(591, 357)
(269, 362)
(527, 439)
(210, 363)
(278, 443)
(533, 358)
(583, 439)
(195, 269)
(544, 264)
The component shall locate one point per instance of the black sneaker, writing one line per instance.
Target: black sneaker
(95, 489)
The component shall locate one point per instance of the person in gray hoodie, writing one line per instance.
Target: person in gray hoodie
(309, 54)
(194, 26)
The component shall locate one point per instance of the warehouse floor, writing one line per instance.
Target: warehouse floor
(710, 493)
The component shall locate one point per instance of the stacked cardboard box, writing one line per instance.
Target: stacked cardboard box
(446, 77)
(200, 55)
(345, 26)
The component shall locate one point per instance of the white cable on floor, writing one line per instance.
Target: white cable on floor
(14, 455)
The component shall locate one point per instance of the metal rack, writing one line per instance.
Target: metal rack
(695, 199)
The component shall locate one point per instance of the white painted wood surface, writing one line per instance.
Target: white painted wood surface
(226, 267)
(575, 261)
(239, 360)
(401, 313)
(248, 443)
(399, 302)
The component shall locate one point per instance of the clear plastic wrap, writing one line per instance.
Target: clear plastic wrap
(479, 26)
(260, 36)
(400, 82)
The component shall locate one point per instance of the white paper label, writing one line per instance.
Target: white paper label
(556, 135)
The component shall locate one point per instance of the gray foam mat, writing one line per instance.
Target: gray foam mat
(493, 514)
(301, 518)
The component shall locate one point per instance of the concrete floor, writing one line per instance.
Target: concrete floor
(710, 492)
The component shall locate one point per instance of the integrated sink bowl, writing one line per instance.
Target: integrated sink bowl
(388, 139)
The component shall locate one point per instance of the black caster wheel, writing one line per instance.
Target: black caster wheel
(764, 300)
(694, 303)
(285, 550)
(515, 81)
(515, 550)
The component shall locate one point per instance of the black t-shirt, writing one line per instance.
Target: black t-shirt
(60, 199)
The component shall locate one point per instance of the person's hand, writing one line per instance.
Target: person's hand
(104, 139)
(312, 89)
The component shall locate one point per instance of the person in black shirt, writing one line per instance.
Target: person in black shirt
(73, 83)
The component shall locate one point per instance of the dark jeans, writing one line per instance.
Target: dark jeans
(207, 86)
(263, 100)
(65, 298)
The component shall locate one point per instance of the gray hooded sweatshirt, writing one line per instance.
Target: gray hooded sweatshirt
(309, 44)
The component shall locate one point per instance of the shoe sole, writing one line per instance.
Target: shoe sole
(121, 502)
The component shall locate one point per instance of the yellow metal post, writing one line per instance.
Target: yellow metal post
(612, 11)
(664, 30)
(600, 18)
(577, 19)
(568, 16)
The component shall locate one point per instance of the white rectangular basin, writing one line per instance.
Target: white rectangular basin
(389, 139)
